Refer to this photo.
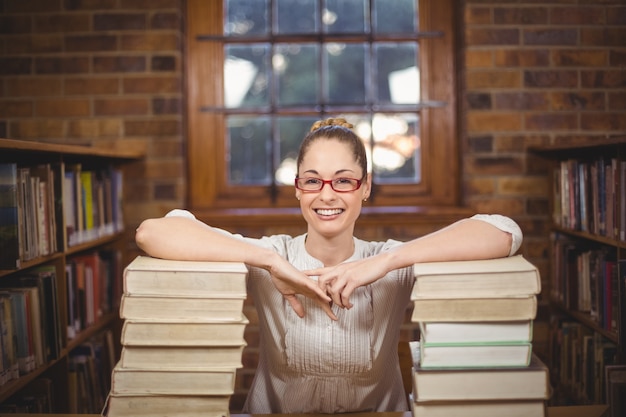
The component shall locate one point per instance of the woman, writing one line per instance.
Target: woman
(334, 350)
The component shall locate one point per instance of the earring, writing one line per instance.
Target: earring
(365, 199)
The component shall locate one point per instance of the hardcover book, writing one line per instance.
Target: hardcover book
(180, 308)
(181, 357)
(508, 408)
(183, 333)
(490, 278)
(161, 277)
(477, 332)
(473, 355)
(474, 309)
(525, 383)
(198, 381)
(147, 405)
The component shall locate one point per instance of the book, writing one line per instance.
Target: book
(161, 277)
(183, 333)
(167, 405)
(474, 309)
(472, 355)
(180, 308)
(181, 357)
(477, 332)
(525, 383)
(9, 226)
(508, 408)
(198, 381)
(501, 277)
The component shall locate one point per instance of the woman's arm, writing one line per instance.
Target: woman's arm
(481, 237)
(182, 237)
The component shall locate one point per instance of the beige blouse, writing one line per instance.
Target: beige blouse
(316, 365)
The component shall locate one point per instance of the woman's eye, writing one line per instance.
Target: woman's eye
(342, 181)
(312, 181)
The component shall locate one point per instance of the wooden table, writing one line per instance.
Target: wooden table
(570, 411)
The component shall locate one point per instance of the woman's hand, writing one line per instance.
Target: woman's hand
(341, 280)
(289, 282)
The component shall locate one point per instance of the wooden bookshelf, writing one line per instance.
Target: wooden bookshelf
(587, 266)
(76, 320)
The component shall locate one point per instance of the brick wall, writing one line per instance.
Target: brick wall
(111, 71)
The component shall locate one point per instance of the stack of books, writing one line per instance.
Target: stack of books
(182, 338)
(474, 356)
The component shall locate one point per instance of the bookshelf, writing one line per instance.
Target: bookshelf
(587, 281)
(62, 239)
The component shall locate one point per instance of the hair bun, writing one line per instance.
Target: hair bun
(332, 122)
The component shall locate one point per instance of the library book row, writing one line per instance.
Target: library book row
(50, 207)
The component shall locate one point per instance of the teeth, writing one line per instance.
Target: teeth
(328, 212)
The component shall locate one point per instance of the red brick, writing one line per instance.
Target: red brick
(119, 21)
(521, 101)
(152, 127)
(523, 186)
(163, 63)
(62, 23)
(522, 58)
(603, 79)
(493, 79)
(480, 186)
(63, 108)
(550, 37)
(16, 108)
(551, 121)
(165, 169)
(92, 86)
(121, 107)
(478, 59)
(605, 121)
(165, 21)
(15, 24)
(550, 79)
(32, 6)
(577, 16)
(61, 65)
(33, 87)
(580, 58)
(37, 128)
(87, 43)
(15, 66)
(493, 121)
(489, 36)
(577, 100)
(95, 128)
(607, 36)
(166, 105)
(150, 4)
(103, 64)
(90, 4)
(35, 44)
(152, 85)
(617, 58)
(150, 42)
(520, 15)
(475, 15)
(617, 101)
(512, 206)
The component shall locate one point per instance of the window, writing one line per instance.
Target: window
(260, 72)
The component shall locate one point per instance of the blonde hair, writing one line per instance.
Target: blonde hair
(338, 129)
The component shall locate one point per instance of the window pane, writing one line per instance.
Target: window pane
(290, 132)
(396, 148)
(249, 149)
(397, 16)
(398, 76)
(297, 72)
(346, 16)
(296, 16)
(246, 17)
(345, 73)
(246, 75)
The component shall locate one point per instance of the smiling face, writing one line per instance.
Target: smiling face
(327, 212)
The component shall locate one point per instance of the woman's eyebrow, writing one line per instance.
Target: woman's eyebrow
(341, 171)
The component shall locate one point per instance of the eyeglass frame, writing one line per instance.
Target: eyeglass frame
(324, 182)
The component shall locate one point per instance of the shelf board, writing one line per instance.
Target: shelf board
(119, 152)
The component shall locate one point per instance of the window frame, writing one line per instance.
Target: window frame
(207, 181)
